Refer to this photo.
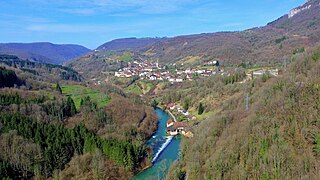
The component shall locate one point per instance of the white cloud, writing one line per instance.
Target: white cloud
(144, 6)
(90, 28)
(70, 28)
(88, 7)
(79, 11)
(23, 18)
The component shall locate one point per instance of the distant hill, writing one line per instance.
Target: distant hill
(43, 51)
(112, 55)
(37, 70)
(290, 34)
(273, 42)
(129, 44)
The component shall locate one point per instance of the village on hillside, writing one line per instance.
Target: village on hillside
(155, 71)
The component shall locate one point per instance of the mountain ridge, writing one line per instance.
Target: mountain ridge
(269, 44)
(132, 43)
(44, 51)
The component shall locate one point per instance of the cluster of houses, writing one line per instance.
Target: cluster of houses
(180, 110)
(175, 128)
(212, 63)
(137, 68)
(153, 71)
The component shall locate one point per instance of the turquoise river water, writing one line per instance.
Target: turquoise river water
(166, 150)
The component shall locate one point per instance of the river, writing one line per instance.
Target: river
(166, 150)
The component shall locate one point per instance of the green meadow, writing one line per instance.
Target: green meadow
(133, 88)
(78, 92)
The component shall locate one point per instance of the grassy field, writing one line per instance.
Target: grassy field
(78, 92)
(133, 88)
(126, 57)
(146, 86)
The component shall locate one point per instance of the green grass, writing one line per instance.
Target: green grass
(106, 53)
(255, 67)
(204, 115)
(78, 92)
(134, 88)
(146, 86)
(126, 57)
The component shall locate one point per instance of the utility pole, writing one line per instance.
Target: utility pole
(158, 63)
(285, 65)
(246, 96)
(247, 102)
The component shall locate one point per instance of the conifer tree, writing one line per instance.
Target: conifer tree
(200, 109)
(58, 88)
(70, 107)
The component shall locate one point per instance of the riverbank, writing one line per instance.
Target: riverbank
(166, 150)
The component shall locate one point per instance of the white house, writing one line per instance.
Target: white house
(179, 72)
(274, 72)
(186, 113)
(148, 69)
(260, 72)
(171, 80)
(179, 80)
(172, 106)
(189, 71)
(117, 74)
(127, 74)
(153, 77)
(200, 71)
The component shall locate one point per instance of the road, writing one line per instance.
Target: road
(174, 118)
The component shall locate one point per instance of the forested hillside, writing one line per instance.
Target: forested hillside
(262, 45)
(245, 104)
(39, 71)
(128, 44)
(54, 131)
(50, 120)
(277, 138)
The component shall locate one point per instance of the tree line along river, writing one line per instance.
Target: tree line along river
(165, 148)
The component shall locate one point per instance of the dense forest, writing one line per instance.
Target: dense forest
(37, 68)
(44, 133)
(58, 145)
(277, 138)
(43, 125)
(9, 78)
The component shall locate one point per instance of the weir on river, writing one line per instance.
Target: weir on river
(166, 150)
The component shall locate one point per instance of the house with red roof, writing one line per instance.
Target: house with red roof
(175, 128)
(170, 123)
(189, 76)
(188, 71)
(171, 106)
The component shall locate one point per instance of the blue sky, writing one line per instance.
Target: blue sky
(94, 22)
